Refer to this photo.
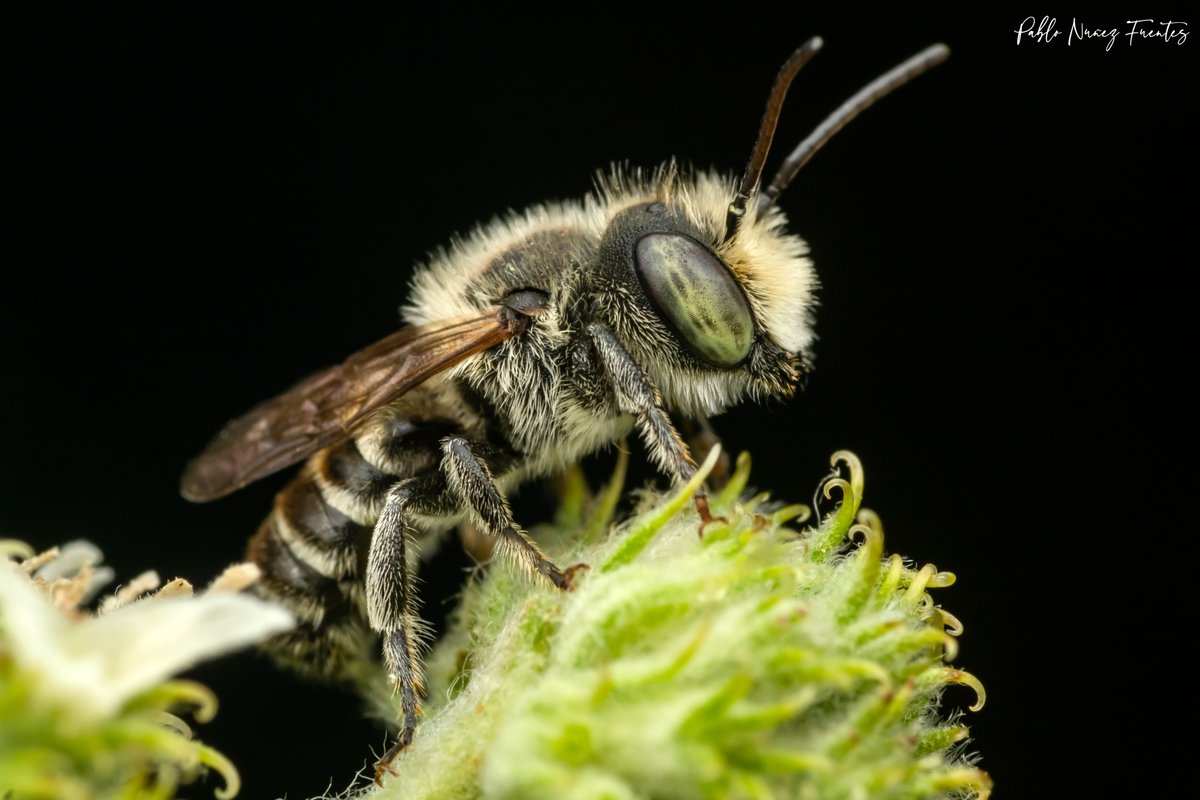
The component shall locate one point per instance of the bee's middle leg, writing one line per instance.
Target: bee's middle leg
(472, 481)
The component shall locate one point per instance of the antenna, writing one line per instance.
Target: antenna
(929, 57)
(766, 132)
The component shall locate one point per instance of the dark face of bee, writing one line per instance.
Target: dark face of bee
(691, 290)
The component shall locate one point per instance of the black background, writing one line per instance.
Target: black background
(207, 204)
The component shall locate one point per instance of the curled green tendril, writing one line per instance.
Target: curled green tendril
(958, 779)
(797, 512)
(925, 638)
(214, 760)
(869, 518)
(949, 647)
(829, 539)
(173, 694)
(856, 472)
(164, 743)
(857, 530)
(943, 675)
(954, 625)
(165, 781)
(942, 579)
(168, 720)
(836, 483)
(916, 590)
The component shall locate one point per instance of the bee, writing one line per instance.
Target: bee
(536, 340)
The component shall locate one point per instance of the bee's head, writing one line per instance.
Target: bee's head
(699, 276)
(711, 319)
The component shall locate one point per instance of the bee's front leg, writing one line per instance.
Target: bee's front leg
(638, 396)
(392, 602)
(471, 481)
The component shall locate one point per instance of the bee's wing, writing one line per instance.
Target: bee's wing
(323, 409)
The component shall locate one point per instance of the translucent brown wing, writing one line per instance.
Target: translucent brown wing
(325, 408)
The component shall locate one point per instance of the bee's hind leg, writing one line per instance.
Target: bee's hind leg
(392, 602)
(471, 480)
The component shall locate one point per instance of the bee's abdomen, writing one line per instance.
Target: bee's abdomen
(329, 630)
(313, 547)
(312, 551)
(317, 532)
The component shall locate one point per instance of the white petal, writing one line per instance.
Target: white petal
(32, 626)
(147, 642)
(92, 668)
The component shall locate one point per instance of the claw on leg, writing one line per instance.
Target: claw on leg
(706, 517)
(385, 763)
(471, 479)
(562, 578)
(569, 574)
(408, 726)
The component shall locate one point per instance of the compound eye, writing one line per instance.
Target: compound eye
(697, 295)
